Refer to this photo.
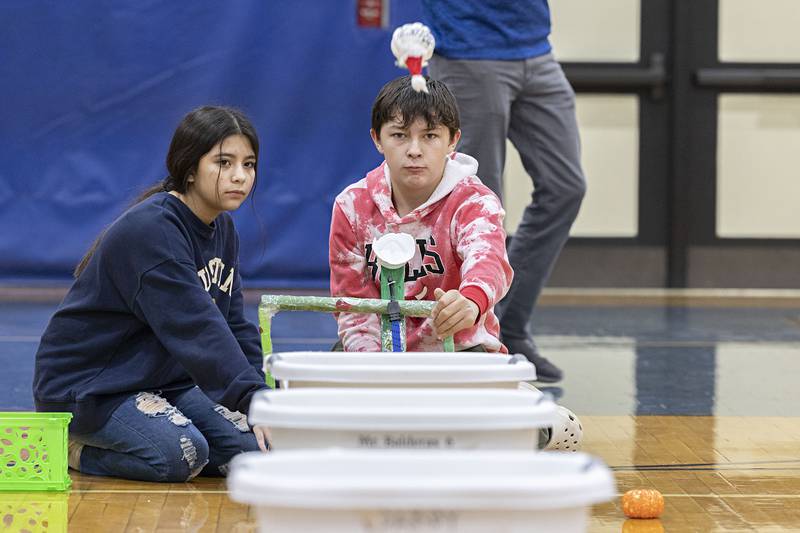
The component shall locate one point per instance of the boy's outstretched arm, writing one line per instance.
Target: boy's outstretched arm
(480, 240)
(350, 276)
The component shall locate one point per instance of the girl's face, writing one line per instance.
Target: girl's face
(223, 180)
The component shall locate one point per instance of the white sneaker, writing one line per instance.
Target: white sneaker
(74, 449)
(567, 433)
(524, 385)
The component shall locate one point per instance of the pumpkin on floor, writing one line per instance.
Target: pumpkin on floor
(642, 503)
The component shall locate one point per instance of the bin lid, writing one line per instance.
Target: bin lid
(403, 409)
(401, 479)
(405, 367)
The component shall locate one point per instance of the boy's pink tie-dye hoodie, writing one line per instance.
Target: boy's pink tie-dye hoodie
(460, 243)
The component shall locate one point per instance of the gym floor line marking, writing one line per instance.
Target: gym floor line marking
(710, 469)
(569, 343)
(307, 340)
(736, 465)
(19, 338)
(731, 463)
(209, 491)
(768, 496)
(144, 491)
(566, 344)
(285, 340)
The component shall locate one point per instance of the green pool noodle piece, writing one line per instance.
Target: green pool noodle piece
(273, 303)
(265, 315)
(329, 304)
(399, 276)
(449, 345)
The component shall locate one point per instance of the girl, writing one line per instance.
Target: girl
(150, 350)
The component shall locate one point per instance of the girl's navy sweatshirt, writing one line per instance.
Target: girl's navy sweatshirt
(158, 308)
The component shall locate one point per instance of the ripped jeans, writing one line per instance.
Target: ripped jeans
(170, 438)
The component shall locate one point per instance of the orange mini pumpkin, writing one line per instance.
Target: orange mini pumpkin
(642, 503)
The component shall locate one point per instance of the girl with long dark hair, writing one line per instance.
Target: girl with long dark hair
(150, 350)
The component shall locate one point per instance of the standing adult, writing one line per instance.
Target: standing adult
(495, 56)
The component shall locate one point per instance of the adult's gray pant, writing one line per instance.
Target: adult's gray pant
(531, 103)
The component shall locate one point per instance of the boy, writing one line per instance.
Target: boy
(427, 190)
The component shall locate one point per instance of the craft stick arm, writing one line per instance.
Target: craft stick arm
(328, 304)
(273, 303)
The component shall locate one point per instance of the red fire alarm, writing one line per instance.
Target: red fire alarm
(372, 13)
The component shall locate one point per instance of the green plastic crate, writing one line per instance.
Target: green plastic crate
(45, 512)
(33, 451)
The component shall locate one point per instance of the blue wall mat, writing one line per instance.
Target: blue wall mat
(92, 92)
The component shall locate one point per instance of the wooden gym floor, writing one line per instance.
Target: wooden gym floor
(692, 393)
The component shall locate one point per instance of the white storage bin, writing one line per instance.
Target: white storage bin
(421, 419)
(406, 369)
(391, 491)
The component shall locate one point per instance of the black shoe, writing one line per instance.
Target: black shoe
(546, 372)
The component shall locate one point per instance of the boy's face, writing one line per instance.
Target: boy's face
(416, 155)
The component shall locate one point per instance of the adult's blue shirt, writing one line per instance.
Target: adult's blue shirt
(489, 29)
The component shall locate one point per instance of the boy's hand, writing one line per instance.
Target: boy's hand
(452, 313)
(262, 437)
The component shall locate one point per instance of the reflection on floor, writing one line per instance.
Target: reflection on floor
(700, 403)
(716, 473)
